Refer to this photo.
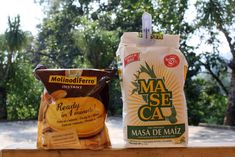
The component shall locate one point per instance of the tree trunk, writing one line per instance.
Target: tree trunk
(3, 107)
(230, 114)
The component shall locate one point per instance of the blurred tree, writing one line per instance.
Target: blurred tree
(97, 45)
(11, 44)
(168, 17)
(219, 16)
(55, 44)
(216, 67)
(23, 94)
(208, 101)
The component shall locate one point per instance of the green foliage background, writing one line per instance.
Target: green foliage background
(24, 92)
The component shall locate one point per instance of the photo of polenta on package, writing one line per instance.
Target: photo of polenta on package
(73, 108)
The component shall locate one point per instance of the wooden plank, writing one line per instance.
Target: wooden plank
(197, 151)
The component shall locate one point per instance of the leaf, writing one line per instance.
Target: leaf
(150, 70)
(153, 72)
(136, 76)
(143, 69)
(147, 66)
(172, 119)
(134, 91)
(173, 112)
(145, 98)
(135, 84)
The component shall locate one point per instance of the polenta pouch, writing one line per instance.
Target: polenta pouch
(73, 108)
(152, 71)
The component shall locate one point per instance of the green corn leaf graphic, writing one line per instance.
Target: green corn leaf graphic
(135, 84)
(134, 91)
(145, 98)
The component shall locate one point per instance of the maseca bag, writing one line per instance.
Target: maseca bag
(73, 108)
(152, 70)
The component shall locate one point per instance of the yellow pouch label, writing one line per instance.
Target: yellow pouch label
(85, 114)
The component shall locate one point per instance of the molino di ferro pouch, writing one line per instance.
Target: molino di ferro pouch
(152, 73)
(73, 108)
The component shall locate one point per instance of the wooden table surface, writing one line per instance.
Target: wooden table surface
(199, 150)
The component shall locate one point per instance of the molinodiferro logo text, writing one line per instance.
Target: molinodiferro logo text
(73, 80)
